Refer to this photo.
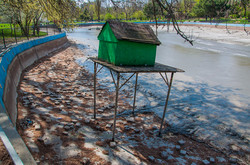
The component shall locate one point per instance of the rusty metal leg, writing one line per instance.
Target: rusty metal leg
(135, 93)
(116, 104)
(166, 104)
(95, 90)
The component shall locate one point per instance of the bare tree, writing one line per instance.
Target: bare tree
(36, 20)
(98, 4)
(188, 5)
(156, 25)
(169, 7)
(8, 13)
(128, 6)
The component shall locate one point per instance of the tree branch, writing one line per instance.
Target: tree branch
(168, 7)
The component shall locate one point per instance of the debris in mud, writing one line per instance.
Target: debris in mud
(63, 130)
(25, 123)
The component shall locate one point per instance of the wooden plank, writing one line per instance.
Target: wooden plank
(139, 69)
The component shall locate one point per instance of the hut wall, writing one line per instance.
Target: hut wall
(133, 53)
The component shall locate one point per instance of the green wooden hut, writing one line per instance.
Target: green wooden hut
(127, 44)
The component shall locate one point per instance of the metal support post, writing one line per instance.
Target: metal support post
(166, 104)
(126, 80)
(116, 104)
(95, 90)
(135, 93)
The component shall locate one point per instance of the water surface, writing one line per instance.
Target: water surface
(210, 100)
(227, 65)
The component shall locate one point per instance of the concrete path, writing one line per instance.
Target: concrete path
(14, 140)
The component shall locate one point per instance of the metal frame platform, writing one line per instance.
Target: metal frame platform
(135, 70)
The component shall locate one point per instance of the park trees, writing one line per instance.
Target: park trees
(98, 4)
(131, 8)
(150, 11)
(85, 15)
(7, 14)
(211, 8)
(138, 15)
(245, 4)
(187, 6)
(221, 8)
(22, 15)
(26, 12)
(63, 12)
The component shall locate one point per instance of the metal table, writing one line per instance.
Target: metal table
(135, 70)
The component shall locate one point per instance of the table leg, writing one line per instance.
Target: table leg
(166, 104)
(95, 90)
(116, 104)
(135, 93)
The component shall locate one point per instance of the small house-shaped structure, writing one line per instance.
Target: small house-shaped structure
(127, 44)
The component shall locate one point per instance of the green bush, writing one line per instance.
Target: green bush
(234, 16)
(108, 16)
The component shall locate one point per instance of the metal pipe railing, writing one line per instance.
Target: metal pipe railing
(11, 36)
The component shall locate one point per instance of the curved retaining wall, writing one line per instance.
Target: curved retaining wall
(15, 60)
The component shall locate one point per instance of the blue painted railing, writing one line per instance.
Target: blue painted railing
(161, 22)
(7, 56)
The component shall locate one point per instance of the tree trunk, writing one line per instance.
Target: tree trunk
(27, 31)
(98, 8)
(37, 26)
(11, 20)
(245, 13)
(34, 27)
(21, 27)
(168, 24)
(156, 26)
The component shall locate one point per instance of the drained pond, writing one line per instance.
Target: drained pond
(210, 101)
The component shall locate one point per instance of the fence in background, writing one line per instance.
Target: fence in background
(9, 54)
(12, 36)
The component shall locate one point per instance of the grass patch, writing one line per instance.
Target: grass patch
(4, 26)
(8, 33)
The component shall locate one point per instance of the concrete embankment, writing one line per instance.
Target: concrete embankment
(15, 60)
(12, 63)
